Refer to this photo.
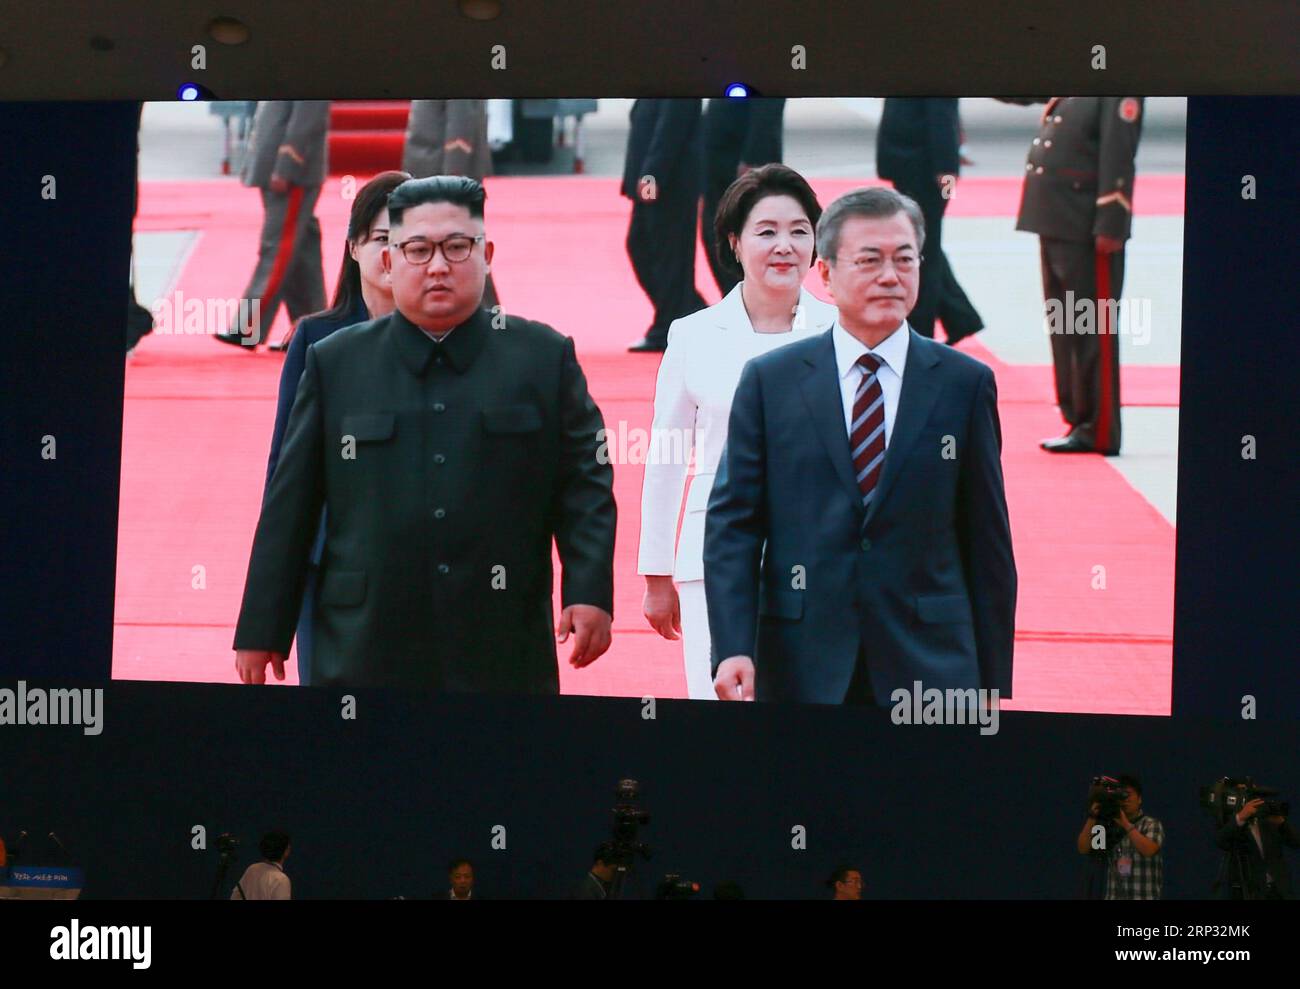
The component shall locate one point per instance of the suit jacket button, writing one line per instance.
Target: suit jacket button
(1038, 170)
(1038, 141)
(439, 513)
(444, 569)
(1047, 143)
(438, 458)
(866, 545)
(439, 407)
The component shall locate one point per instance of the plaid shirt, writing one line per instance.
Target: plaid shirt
(1146, 876)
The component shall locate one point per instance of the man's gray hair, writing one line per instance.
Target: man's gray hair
(878, 202)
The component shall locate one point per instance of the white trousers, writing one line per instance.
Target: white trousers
(696, 645)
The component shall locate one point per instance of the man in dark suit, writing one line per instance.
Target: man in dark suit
(739, 134)
(918, 149)
(449, 453)
(857, 537)
(287, 162)
(1257, 868)
(1078, 198)
(661, 175)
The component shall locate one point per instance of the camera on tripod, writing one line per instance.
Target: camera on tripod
(1225, 799)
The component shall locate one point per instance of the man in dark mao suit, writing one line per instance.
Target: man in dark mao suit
(287, 162)
(449, 452)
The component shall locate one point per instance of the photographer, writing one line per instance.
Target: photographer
(1133, 845)
(266, 880)
(1257, 868)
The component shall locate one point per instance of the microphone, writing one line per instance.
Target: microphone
(63, 848)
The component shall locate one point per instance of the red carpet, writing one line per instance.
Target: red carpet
(198, 417)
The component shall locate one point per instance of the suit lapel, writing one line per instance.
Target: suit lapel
(920, 390)
(821, 394)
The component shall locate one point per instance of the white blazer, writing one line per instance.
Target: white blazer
(706, 352)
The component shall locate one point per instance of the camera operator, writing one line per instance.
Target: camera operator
(1258, 869)
(846, 881)
(1133, 849)
(460, 874)
(600, 878)
(266, 880)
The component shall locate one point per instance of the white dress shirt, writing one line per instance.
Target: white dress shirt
(892, 351)
(706, 353)
(262, 881)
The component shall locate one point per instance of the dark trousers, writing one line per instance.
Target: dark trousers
(719, 172)
(1086, 363)
(940, 294)
(859, 692)
(288, 266)
(661, 246)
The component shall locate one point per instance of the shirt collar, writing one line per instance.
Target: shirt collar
(892, 350)
(731, 312)
(418, 350)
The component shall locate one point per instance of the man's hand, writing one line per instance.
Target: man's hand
(735, 679)
(590, 628)
(1248, 811)
(1123, 820)
(280, 185)
(662, 608)
(1108, 245)
(250, 664)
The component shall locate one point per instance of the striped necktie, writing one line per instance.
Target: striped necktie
(867, 435)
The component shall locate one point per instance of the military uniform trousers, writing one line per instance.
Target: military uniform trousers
(288, 260)
(1085, 352)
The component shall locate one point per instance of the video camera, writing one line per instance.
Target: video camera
(1109, 796)
(1225, 799)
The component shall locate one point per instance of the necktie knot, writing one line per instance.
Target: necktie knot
(870, 363)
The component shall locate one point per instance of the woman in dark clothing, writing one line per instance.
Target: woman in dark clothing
(362, 294)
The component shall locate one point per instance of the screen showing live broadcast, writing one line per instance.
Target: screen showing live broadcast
(823, 401)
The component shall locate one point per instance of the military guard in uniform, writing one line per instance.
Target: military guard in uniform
(661, 175)
(287, 160)
(1078, 198)
(449, 137)
(739, 134)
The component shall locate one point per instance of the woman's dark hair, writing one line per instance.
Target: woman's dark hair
(371, 198)
(744, 194)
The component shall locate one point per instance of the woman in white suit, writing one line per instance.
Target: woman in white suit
(765, 228)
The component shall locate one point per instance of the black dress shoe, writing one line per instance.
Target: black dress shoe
(1072, 444)
(236, 339)
(648, 345)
